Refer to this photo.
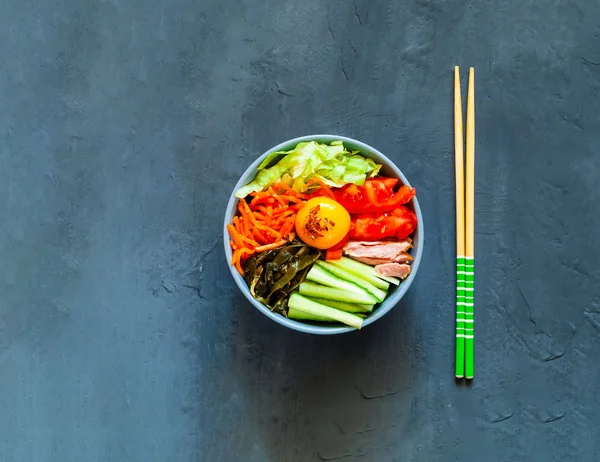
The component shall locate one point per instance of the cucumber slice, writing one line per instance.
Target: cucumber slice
(366, 272)
(310, 289)
(348, 276)
(344, 306)
(393, 280)
(322, 276)
(303, 316)
(298, 303)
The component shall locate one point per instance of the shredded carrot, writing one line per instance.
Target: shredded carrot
(244, 210)
(297, 206)
(235, 257)
(322, 190)
(236, 260)
(268, 230)
(326, 189)
(292, 199)
(287, 190)
(274, 245)
(235, 235)
(265, 220)
(288, 225)
(278, 198)
(249, 241)
(259, 236)
(262, 200)
(288, 213)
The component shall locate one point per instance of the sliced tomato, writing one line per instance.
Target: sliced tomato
(337, 251)
(389, 182)
(334, 254)
(401, 197)
(400, 223)
(341, 244)
(404, 194)
(376, 195)
(350, 195)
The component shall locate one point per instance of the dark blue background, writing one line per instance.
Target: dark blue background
(124, 126)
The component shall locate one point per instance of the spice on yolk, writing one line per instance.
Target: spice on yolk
(322, 223)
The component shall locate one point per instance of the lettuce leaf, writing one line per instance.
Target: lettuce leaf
(333, 164)
(349, 169)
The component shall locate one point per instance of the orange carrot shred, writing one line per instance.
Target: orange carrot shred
(274, 245)
(265, 220)
(235, 235)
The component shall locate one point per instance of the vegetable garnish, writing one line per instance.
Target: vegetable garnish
(332, 164)
(337, 251)
(266, 223)
(400, 223)
(376, 195)
(272, 275)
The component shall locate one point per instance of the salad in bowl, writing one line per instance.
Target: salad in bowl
(323, 234)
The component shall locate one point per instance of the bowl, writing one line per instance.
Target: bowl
(395, 294)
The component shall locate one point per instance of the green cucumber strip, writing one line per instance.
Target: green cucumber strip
(322, 276)
(310, 289)
(366, 272)
(303, 316)
(344, 306)
(308, 306)
(362, 271)
(391, 279)
(348, 276)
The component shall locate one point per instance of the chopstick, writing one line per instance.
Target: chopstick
(465, 197)
(460, 228)
(470, 231)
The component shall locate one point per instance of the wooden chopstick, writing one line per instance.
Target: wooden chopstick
(460, 227)
(470, 231)
(465, 231)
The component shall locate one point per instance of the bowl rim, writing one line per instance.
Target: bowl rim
(389, 303)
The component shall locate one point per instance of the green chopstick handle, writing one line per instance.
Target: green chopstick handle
(460, 315)
(469, 317)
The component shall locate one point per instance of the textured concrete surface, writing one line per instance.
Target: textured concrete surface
(125, 124)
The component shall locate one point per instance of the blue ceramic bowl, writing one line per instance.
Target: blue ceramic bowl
(395, 293)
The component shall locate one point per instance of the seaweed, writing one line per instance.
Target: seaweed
(274, 274)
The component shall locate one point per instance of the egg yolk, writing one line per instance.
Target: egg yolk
(322, 223)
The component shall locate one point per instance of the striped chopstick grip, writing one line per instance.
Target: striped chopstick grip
(469, 316)
(460, 317)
